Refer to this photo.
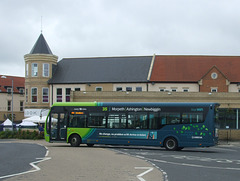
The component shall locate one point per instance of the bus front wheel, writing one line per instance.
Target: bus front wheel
(171, 144)
(75, 140)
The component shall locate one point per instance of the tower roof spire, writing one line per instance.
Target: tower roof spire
(41, 46)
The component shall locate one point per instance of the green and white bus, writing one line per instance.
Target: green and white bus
(170, 125)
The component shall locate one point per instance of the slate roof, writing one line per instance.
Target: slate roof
(41, 46)
(102, 70)
(18, 82)
(193, 68)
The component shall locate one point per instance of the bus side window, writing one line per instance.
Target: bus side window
(137, 121)
(97, 120)
(185, 118)
(170, 118)
(117, 120)
(77, 121)
(192, 118)
(154, 121)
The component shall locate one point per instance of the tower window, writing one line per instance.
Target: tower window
(34, 69)
(27, 70)
(26, 95)
(45, 95)
(34, 94)
(45, 70)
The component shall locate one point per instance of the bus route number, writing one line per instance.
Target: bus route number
(104, 109)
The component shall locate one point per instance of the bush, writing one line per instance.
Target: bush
(21, 134)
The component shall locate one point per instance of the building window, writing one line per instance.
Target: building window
(45, 70)
(214, 89)
(161, 89)
(26, 95)
(27, 70)
(185, 90)
(34, 69)
(21, 91)
(45, 94)
(139, 89)
(119, 89)
(77, 89)
(59, 94)
(174, 90)
(9, 90)
(68, 91)
(99, 89)
(129, 89)
(34, 94)
(21, 106)
(9, 105)
(214, 75)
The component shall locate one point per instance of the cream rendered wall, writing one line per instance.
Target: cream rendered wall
(194, 87)
(17, 98)
(233, 88)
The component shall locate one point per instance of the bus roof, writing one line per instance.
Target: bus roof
(154, 104)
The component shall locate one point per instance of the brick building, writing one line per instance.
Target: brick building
(7, 99)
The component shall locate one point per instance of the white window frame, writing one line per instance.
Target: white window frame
(59, 95)
(45, 95)
(9, 90)
(45, 70)
(27, 70)
(128, 89)
(99, 89)
(67, 95)
(26, 95)
(214, 89)
(34, 70)
(34, 94)
(119, 89)
(139, 89)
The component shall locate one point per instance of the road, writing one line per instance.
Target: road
(216, 163)
(15, 158)
(60, 162)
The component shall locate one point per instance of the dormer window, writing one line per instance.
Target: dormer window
(21, 90)
(9, 90)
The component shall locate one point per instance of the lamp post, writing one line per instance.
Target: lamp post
(4, 77)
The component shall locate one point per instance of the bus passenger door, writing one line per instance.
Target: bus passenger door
(58, 127)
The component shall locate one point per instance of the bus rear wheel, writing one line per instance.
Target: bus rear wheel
(171, 144)
(75, 140)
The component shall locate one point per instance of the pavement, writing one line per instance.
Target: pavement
(84, 163)
(224, 142)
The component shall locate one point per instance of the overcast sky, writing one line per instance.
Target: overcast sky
(96, 28)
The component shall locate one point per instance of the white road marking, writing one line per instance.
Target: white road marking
(148, 169)
(36, 168)
(193, 165)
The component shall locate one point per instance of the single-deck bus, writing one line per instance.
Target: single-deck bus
(170, 125)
